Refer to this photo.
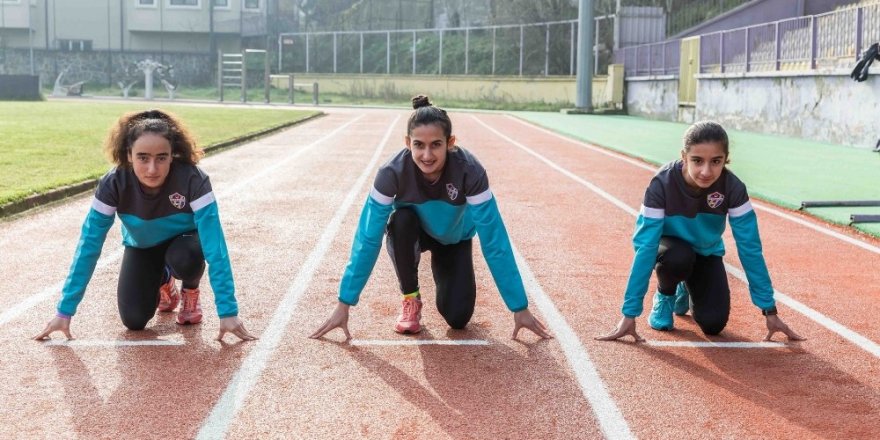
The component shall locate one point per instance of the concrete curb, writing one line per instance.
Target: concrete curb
(64, 192)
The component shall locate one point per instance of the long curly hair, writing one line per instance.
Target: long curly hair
(132, 125)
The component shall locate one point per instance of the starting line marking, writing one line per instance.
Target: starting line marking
(391, 342)
(112, 343)
(709, 344)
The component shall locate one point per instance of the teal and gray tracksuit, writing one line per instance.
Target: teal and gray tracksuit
(672, 214)
(185, 207)
(447, 214)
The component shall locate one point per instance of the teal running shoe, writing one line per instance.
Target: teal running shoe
(682, 300)
(661, 313)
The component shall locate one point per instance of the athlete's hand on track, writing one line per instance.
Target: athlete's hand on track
(234, 325)
(524, 319)
(626, 326)
(339, 318)
(56, 324)
(775, 325)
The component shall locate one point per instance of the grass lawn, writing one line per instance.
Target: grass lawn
(45, 145)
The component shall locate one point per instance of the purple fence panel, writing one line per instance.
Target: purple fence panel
(870, 25)
(762, 48)
(710, 53)
(672, 54)
(630, 63)
(643, 57)
(836, 38)
(794, 42)
(657, 52)
(734, 47)
(831, 40)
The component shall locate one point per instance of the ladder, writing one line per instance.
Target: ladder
(231, 72)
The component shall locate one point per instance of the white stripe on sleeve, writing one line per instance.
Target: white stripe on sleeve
(656, 213)
(741, 210)
(484, 196)
(380, 198)
(102, 207)
(202, 201)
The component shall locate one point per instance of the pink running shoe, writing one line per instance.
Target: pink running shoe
(191, 311)
(169, 296)
(408, 321)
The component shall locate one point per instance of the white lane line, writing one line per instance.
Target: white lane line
(709, 344)
(857, 339)
(610, 419)
(762, 206)
(861, 341)
(265, 171)
(411, 342)
(54, 290)
(112, 343)
(818, 228)
(224, 411)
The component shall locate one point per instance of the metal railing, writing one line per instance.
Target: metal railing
(542, 49)
(650, 59)
(825, 41)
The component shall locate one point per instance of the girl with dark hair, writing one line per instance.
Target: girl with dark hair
(170, 227)
(678, 235)
(432, 196)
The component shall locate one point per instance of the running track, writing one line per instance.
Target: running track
(289, 205)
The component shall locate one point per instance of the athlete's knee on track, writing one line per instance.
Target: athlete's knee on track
(712, 325)
(134, 323)
(134, 318)
(458, 320)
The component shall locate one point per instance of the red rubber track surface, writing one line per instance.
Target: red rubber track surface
(577, 244)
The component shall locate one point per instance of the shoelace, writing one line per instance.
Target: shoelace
(166, 292)
(409, 309)
(190, 301)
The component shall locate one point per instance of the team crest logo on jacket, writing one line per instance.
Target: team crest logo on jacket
(177, 200)
(715, 199)
(452, 191)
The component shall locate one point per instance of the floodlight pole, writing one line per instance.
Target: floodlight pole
(584, 98)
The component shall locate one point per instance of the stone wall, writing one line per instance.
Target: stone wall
(825, 107)
(103, 69)
(653, 98)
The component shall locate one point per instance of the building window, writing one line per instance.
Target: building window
(75, 45)
(252, 4)
(183, 3)
(221, 3)
(146, 2)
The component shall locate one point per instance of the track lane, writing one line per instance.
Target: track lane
(506, 389)
(153, 392)
(592, 249)
(576, 243)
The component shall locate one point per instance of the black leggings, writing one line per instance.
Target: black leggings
(143, 271)
(452, 266)
(704, 277)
